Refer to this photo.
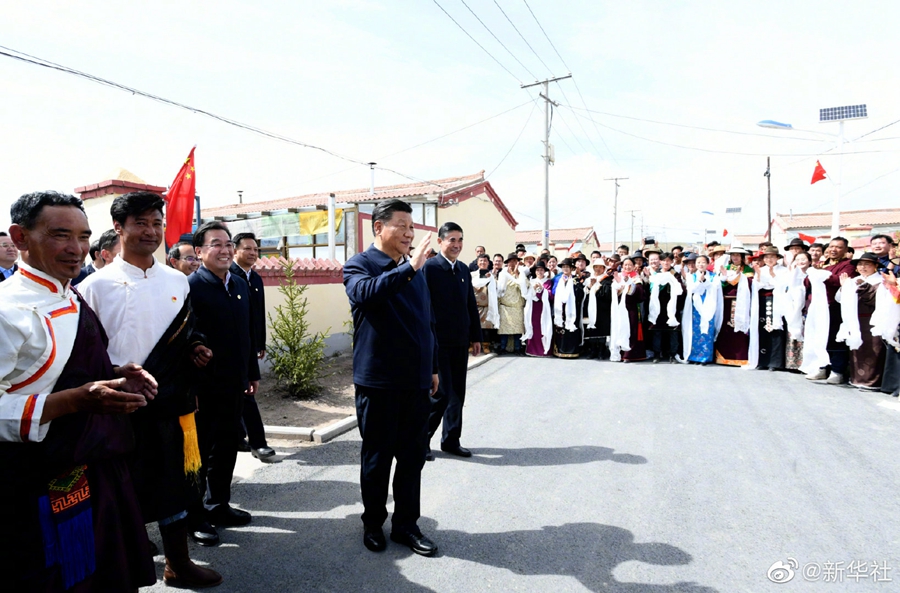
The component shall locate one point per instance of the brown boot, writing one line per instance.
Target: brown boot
(180, 570)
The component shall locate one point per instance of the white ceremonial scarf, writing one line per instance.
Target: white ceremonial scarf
(710, 309)
(741, 302)
(849, 332)
(546, 318)
(886, 318)
(591, 295)
(657, 281)
(504, 279)
(493, 314)
(815, 333)
(796, 296)
(565, 295)
(619, 322)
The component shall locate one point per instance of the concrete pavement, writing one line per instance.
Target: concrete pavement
(593, 476)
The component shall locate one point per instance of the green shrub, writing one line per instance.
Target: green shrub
(297, 356)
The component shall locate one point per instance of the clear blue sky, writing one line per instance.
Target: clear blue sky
(368, 79)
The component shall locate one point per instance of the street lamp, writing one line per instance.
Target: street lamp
(829, 114)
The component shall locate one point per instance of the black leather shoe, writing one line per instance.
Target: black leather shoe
(458, 450)
(205, 534)
(417, 542)
(263, 453)
(243, 446)
(429, 455)
(373, 538)
(226, 516)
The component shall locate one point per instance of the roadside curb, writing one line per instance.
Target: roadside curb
(336, 429)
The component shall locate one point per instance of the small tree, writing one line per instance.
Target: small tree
(297, 356)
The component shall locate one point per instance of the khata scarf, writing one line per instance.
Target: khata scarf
(619, 322)
(849, 331)
(815, 333)
(493, 314)
(657, 281)
(564, 295)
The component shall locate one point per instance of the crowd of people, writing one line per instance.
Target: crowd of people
(125, 399)
(817, 309)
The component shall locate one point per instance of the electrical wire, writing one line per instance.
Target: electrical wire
(715, 151)
(523, 38)
(546, 36)
(476, 42)
(29, 59)
(516, 141)
(488, 29)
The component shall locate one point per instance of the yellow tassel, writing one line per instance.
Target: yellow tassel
(191, 446)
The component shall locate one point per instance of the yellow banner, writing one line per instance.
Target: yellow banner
(314, 223)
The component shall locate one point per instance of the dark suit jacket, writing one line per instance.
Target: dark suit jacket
(393, 324)
(223, 317)
(257, 306)
(453, 300)
(14, 268)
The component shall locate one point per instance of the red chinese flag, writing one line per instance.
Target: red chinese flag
(818, 173)
(724, 233)
(180, 202)
(808, 238)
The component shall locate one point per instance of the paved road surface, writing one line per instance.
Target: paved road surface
(594, 476)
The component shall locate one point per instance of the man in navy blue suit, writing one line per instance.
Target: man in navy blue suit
(458, 325)
(221, 302)
(394, 371)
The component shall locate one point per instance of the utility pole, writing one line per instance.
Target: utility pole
(768, 175)
(615, 206)
(546, 97)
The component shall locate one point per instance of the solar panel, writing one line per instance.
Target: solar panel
(841, 113)
(732, 210)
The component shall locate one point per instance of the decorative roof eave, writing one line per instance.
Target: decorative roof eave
(470, 191)
(115, 186)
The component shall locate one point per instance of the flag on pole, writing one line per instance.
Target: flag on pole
(724, 233)
(180, 202)
(808, 238)
(818, 173)
(572, 246)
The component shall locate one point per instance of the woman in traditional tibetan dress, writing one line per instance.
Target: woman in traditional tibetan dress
(702, 315)
(890, 333)
(512, 287)
(666, 297)
(485, 287)
(634, 291)
(596, 310)
(733, 341)
(567, 328)
(539, 313)
(798, 294)
(858, 302)
(768, 310)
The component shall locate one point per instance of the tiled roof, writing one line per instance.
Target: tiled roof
(556, 235)
(271, 267)
(877, 217)
(407, 190)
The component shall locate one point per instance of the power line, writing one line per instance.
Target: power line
(523, 38)
(488, 29)
(547, 36)
(715, 151)
(516, 141)
(476, 42)
(23, 57)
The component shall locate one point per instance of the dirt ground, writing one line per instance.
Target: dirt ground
(334, 402)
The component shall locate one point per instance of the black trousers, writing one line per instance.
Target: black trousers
(251, 424)
(218, 418)
(669, 338)
(393, 424)
(447, 403)
(838, 352)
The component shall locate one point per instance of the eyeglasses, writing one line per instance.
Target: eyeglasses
(7, 245)
(190, 259)
(220, 246)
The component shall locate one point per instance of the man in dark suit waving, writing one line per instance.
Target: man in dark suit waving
(394, 371)
(457, 324)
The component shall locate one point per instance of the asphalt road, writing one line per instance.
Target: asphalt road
(593, 476)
